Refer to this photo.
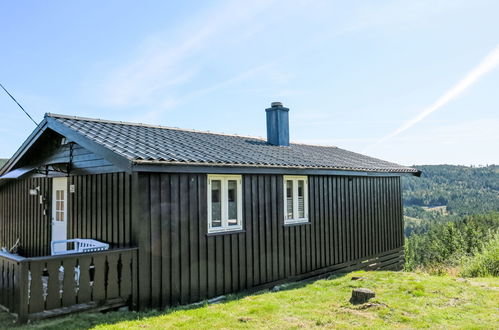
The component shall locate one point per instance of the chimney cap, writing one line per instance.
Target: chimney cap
(276, 105)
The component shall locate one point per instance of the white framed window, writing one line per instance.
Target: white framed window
(225, 212)
(295, 199)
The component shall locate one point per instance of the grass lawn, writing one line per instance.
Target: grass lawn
(403, 300)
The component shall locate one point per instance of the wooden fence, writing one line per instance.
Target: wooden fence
(34, 288)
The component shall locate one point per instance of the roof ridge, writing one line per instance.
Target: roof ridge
(118, 122)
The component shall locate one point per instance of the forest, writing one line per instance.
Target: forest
(452, 220)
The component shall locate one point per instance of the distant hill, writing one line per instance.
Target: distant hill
(451, 190)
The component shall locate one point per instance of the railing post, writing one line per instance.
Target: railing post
(22, 291)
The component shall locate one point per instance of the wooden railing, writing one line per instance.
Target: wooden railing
(9, 282)
(41, 287)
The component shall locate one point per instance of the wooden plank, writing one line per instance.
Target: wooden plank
(175, 239)
(365, 214)
(227, 264)
(85, 208)
(184, 239)
(203, 230)
(274, 225)
(327, 220)
(343, 217)
(100, 206)
(115, 218)
(322, 221)
(144, 241)
(194, 237)
(261, 226)
(241, 244)
(93, 213)
(22, 291)
(372, 218)
(36, 300)
(308, 237)
(211, 267)
(389, 207)
(234, 264)
(126, 275)
(355, 217)
(248, 217)
(120, 238)
(109, 202)
(68, 283)
(400, 211)
(313, 238)
(99, 286)
(53, 296)
(268, 227)
(155, 237)
(292, 250)
(255, 231)
(112, 279)
(219, 265)
(165, 223)
(84, 288)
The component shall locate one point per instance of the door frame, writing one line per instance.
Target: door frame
(59, 231)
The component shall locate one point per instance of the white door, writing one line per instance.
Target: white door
(59, 212)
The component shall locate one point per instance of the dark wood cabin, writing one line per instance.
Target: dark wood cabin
(207, 213)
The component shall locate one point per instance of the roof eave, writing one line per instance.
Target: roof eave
(175, 166)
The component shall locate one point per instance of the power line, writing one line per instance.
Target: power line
(20, 106)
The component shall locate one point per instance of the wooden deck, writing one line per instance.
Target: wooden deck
(41, 287)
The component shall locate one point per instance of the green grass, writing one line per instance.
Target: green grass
(403, 300)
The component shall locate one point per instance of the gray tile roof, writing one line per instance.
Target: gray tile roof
(163, 145)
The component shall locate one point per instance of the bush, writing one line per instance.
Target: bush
(444, 245)
(485, 263)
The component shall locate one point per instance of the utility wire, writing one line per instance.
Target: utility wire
(20, 106)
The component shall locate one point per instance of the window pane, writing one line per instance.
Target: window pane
(289, 199)
(301, 199)
(216, 206)
(232, 197)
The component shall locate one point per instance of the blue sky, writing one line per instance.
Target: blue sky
(351, 72)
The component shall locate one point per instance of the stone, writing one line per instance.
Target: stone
(361, 295)
(358, 278)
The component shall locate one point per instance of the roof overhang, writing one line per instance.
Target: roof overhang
(24, 147)
(9, 169)
(170, 167)
(18, 173)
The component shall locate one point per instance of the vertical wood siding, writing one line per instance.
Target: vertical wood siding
(100, 208)
(350, 218)
(21, 216)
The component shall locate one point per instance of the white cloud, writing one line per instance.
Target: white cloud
(489, 63)
(467, 142)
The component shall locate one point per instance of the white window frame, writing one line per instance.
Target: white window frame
(224, 179)
(295, 179)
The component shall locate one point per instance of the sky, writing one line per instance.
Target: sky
(413, 82)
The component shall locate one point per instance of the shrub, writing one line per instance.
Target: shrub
(485, 263)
